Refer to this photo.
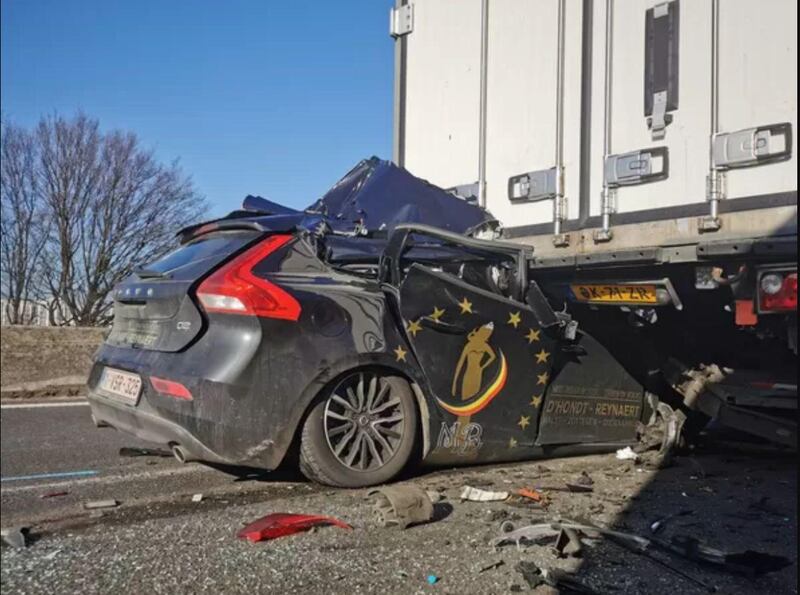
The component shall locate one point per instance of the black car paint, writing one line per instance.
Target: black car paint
(253, 379)
(250, 394)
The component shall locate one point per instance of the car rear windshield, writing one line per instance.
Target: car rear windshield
(199, 255)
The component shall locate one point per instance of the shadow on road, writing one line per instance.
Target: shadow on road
(734, 499)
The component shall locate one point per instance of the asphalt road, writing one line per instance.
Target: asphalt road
(60, 439)
(56, 449)
(158, 541)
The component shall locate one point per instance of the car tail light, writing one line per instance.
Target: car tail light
(171, 388)
(234, 289)
(777, 292)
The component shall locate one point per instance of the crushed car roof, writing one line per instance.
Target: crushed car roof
(374, 196)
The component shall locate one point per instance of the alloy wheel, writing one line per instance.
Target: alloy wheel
(363, 422)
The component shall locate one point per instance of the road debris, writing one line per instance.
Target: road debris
(478, 495)
(554, 577)
(433, 579)
(133, 451)
(435, 496)
(280, 524)
(579, 488)
(53, 495)
(627, 454)
(492, 566)
(568, 544)
(197, 498)
(749, 562)
(584, 483)
(16, 537)
(535, 534)
(401, 506)
(95, 504)
(531, 494)
(659, 524)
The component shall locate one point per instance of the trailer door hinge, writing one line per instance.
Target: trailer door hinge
(753, 146)
(401, 20)
(637, 167)
(533, 186)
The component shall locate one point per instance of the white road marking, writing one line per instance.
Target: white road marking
(80, 403)
(108, 479)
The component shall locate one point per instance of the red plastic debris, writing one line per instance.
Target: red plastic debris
(281, 524)
(530, 494)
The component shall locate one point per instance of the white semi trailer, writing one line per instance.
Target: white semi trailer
(632, 144)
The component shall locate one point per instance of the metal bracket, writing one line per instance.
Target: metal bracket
(753, 146)
(662, 24)
(468, 192)
(637, 167)
(401, 20)
(658, 121)
(533, 186)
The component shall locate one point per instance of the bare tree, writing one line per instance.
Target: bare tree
(108, 206)
(21, 223)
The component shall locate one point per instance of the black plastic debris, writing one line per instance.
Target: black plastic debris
(131, 451)
(554, 577)
(568, 544)
(492, 566)
(749, 562)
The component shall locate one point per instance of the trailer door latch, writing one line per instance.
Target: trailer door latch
(637, 167)
(533, 186)
(753, 146)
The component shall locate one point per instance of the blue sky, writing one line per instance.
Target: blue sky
(255, 97)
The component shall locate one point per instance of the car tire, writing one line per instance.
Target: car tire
(356, 437)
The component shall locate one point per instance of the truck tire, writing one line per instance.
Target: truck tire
(361, 433)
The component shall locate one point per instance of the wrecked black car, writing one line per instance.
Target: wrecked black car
(373, 330)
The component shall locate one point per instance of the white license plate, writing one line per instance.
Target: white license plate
(122, 385)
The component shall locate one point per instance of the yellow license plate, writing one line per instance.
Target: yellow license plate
(614, 294)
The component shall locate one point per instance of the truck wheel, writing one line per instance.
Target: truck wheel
(362, 433)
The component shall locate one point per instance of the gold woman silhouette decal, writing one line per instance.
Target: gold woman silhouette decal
(468, 378)
(476, 356)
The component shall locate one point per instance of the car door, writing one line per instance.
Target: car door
(487, 355)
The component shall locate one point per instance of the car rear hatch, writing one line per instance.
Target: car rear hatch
(154, 308)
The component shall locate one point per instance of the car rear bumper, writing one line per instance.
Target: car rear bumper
(226, 418)
(145, 423)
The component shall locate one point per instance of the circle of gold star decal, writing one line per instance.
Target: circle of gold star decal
(533, 335)
(514, 318)
(400, 353)
(437, 313)
(542, 356)
(524, 421)
(466, 306)
(414, 327)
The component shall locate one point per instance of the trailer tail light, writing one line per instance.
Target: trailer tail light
(777, 291)
(234, 289)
